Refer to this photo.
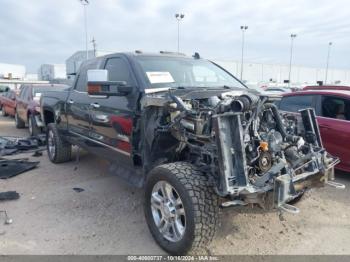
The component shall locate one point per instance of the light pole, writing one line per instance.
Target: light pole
(94, 45)
(292, 37)
(85, 4)
(243, 28)
(178, 17)
(328, 56)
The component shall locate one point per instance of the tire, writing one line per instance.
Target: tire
(58, 150)
(198, 200)
(32, 126)
(18, 121)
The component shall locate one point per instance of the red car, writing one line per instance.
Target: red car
(8, 103)
(332, 108)
(347, 88)
(28, 105)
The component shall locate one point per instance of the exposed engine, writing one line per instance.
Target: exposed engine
(246, 145)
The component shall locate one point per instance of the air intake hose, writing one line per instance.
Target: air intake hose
(278, 119)
(244, 103)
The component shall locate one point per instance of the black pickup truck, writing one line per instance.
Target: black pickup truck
(192, 135)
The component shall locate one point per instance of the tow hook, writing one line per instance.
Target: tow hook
(335, 184)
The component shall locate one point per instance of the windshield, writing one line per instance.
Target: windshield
(185, 73)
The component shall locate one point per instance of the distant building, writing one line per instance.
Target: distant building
(49, 72)
(11, 71)
(74, 61)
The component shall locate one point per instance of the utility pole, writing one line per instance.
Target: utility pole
(85, 3)
(94, 45)
(328, 57)
(243, 28)
(292, 37)
(178, 17)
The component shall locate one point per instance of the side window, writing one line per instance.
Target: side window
(24, 92)
(296, 103)
(118, 70)
(81, 84)
(82, 81)
(12, 95)
(336, 107)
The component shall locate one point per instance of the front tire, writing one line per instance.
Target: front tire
(58, 150)
(181, 208)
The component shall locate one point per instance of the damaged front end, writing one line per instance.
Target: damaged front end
(252, 153)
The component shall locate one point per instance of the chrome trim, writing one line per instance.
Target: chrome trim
(103, 144)
(98, 97)
(79, 92)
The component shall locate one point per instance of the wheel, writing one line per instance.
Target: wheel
(32, 126)
(181, 208)
(58, 150)
(18, 121)
(3, 112)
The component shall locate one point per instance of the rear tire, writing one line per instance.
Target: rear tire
(199, 206)
(58, 150)
(33, 127)
(18, 121)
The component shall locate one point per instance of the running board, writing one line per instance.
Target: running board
(289, 208)
(335, 184)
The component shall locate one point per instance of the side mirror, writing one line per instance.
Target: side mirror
(98, 84)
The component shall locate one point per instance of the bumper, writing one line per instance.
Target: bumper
(316, 172)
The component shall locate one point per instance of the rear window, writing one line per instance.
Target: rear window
(296, 103)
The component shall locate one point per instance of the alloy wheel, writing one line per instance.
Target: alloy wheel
(168, 211)
(51, 144)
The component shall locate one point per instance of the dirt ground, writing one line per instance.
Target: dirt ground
(107, 217)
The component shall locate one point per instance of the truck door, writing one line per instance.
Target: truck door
(78, 106)
(21, 102)
(111, 117)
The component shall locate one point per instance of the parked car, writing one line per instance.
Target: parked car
(332, 108)
(28, 107)
(191, 134)
(8, 103)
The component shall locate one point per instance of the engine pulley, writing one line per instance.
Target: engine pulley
(265, 161)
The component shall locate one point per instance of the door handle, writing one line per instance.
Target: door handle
(324, 127)
(101, 118)
(70, 101)
(95, 105)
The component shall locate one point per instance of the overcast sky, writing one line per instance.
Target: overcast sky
(47, 31)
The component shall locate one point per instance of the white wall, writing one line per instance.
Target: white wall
(16, 71)
(257, 72)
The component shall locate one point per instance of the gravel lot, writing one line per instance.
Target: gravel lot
(107, 218)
